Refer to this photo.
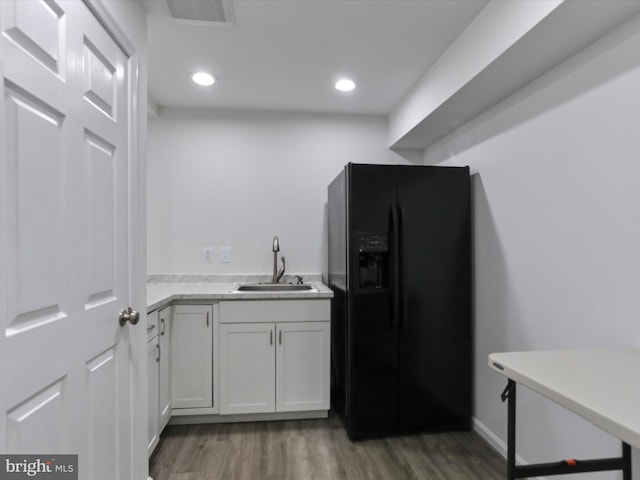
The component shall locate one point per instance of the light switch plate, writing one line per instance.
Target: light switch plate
(225, 254)
(207, 254)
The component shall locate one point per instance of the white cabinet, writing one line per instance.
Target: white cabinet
(158, 374)
(153, 435)
(164, 367)
(192, 356)
(274, 356)
(302, 366)
(247, 368)
(266, 358)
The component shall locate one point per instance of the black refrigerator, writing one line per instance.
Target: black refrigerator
(400, 270)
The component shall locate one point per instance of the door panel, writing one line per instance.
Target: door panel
(36, 28)
(100, 75)
(64, 202)
(25, 421)
(102, 404)
(35, 205)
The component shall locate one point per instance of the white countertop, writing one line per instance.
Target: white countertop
(161, 293)
(600, 385)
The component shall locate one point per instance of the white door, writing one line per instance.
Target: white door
(247, 368)
(302, 366)
(64, 238)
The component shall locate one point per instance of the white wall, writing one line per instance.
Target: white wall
(557, 233)
(239, 178)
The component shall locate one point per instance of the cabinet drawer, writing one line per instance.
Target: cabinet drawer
(275, 311)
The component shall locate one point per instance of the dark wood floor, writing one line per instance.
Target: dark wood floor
(317, 450)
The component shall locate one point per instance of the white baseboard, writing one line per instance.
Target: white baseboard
(495, 441)
(246, 417)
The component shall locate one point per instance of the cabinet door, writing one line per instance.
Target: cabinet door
(192, 356)
(152, 385)
(247, 368)
(302, 366)
(164, 379)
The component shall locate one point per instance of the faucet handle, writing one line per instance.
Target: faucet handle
(298, 279)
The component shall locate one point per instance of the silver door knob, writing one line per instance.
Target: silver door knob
(129, 315)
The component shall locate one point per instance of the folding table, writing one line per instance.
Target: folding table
(603, 386)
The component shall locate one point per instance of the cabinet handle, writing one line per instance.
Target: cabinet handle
(151, 327)
(159, 352)
(280, 337)
(207, 319)
(270, 337)
(162, 325)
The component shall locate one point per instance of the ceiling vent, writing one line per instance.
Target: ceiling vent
(201, 11)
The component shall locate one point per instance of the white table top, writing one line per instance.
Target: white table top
(603, 386)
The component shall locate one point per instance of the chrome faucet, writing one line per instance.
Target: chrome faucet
(277, 274)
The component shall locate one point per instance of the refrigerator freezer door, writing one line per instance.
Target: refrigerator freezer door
(372, 337)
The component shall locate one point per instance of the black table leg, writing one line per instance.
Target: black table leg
(510, 395)
(626, 461)
(556, 468)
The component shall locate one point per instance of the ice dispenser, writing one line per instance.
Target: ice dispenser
(373, 256)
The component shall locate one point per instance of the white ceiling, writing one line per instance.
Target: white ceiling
(286, 54)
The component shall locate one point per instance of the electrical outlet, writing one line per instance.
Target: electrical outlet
(225, 254)
(207, 254)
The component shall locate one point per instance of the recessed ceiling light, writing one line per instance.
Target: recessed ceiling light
(345, 85)
(203, 78)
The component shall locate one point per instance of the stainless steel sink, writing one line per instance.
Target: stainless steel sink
(273, 287)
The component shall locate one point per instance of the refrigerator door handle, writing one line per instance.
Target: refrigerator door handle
(402, 290)
(395, 228)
